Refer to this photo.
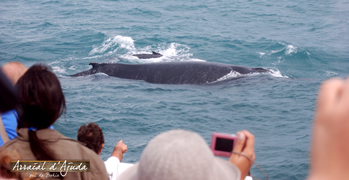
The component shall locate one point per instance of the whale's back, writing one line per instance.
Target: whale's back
(188, 72)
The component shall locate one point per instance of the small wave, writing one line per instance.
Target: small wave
(286, 50)
(331, 74)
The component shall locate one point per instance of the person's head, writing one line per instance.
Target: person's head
(41, 96)
(92, 135)
(14, 70)
(179, 154)
(42, 103)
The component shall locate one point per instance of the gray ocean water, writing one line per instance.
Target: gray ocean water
(302, 42)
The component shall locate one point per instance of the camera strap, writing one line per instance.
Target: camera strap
(253, 162)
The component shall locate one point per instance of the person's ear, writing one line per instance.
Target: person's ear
(100, 151)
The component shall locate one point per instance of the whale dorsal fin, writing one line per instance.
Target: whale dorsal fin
(94, 64)
(155, 53)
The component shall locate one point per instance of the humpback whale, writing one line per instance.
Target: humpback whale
(183, 72)
(148, 56)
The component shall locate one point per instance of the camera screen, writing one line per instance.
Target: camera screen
(224, 144)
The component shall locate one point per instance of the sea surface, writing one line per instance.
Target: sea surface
(302, 42)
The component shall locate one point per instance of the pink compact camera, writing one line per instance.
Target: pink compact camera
(223, 144)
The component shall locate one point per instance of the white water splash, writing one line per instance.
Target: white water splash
(111, 48)
(60, 66)
(113, 44)
(56, 68)
(276, 73)
(233, 74)
(171, 52)
(93, 57)
(230, 75)
(290, 49)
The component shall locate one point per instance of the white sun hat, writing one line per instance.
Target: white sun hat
(180, 155)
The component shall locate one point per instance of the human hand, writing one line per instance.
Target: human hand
(329, 157)
(244, 145)
(119, 149)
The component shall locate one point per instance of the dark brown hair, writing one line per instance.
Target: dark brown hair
(92, 135)
(42, 103)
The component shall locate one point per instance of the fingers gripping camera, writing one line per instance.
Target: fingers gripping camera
(223, 144)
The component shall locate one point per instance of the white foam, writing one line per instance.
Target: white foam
(331, 74)
(230, 75)
(113, 44)
(135, 59)
(55, 67)
(261, 54)
(93, 57)
(72, 67)
(54, 62)
(58, 69)
(275, 51)
(276, 73)
(176, 49)
(233, 74)
(290, 49)
(171, 52)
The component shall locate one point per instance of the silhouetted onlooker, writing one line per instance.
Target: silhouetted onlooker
(92, 136)
(42, 103)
